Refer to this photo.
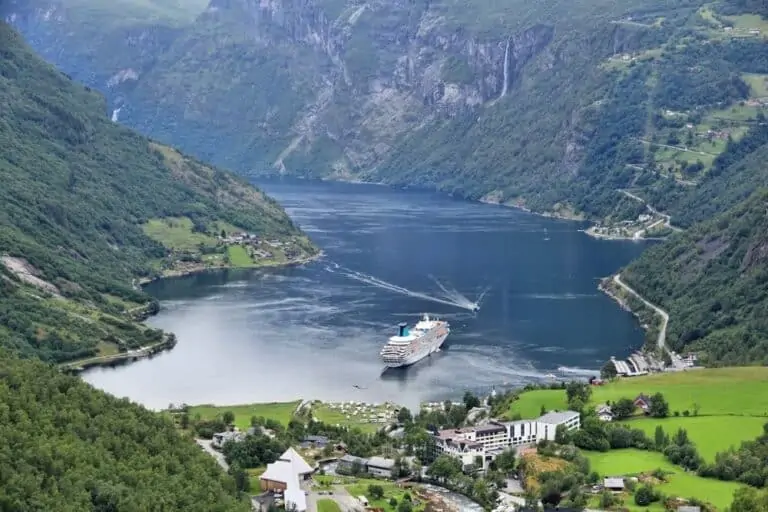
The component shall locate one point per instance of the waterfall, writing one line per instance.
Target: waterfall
(116, 113)
(506, 71)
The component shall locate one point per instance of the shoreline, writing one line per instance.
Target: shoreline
(202, 269)
(142, 313)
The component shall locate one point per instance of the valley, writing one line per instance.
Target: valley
(645, 119)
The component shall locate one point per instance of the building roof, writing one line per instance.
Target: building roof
(316, 439)
(381, 462)
(299, 465)
(490, 428)
(295, 498)
(556, 418)
(613, 483)
(279, 471)
(351, 459)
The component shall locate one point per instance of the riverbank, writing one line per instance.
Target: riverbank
(129, 356)
(200, 268)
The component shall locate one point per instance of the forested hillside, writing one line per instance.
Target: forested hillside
(78, 193)
(68, 447)
(713, 281)
(587, 108)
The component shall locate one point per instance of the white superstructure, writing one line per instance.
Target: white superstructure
(412, 345)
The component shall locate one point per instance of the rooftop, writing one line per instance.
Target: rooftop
(351, 459)
(558, 417)
(381, 462)
(613, 483)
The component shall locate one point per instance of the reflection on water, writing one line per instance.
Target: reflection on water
(313, 332)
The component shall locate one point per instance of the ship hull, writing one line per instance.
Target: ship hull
(418, 356)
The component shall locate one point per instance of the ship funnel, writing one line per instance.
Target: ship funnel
(402, 327)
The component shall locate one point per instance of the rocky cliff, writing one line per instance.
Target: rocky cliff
(412, 92)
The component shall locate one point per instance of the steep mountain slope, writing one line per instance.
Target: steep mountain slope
(79, 196)
(712, 282)
(496, 100)
(69, 447)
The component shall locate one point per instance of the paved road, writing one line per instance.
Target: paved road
(217, 455)
(662, 340)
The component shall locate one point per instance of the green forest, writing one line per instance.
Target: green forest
(712, 281)
(68, 447)
(77, 190)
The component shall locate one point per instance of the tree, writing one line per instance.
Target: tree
(470, 400)
(543, 410)
(578, 394)
(661, 440)
(184, 420)
(645, 495)
(404, 506)
(404, 415)
(392, 502)
(228, 417)
(608, 500)
(659, 407)
(562, 435)
(444, 468)
(608, 371)
(375, 491)
(505, 461)
(749, 500)
(623, 408)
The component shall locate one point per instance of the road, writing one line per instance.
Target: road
(678, 148)
(662, 340)
(217, 455)
(654, 211)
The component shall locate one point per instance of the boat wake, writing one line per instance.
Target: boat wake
(577, 371)
(450, 297)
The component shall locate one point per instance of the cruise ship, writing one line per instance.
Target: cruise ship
(413, 345)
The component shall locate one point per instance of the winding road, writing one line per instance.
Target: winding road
(654, 211)
(662, 340)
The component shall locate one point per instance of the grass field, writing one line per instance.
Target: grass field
(176, 233)
(757, 83)
(680, 483)
(710, 434)
(717, 391)
(238, 256)
(391, 490)
(327, 505)
(334, 416)
(279, 411)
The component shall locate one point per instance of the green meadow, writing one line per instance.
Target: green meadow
(710, 434)
(679, 482)
(716, 392)
(278, 411)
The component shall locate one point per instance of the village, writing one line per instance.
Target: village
(328, 469)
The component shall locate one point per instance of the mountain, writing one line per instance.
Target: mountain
(712, 282)
(509, 102)
(90, 208)
(587, 108)
(69, 447)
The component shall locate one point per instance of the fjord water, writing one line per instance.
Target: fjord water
(315, 332)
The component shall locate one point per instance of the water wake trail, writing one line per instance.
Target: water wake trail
(454, 299)
(577, 371)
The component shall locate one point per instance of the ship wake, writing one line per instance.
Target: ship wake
(449, 297)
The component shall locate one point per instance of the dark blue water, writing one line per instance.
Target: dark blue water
(315, 331)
